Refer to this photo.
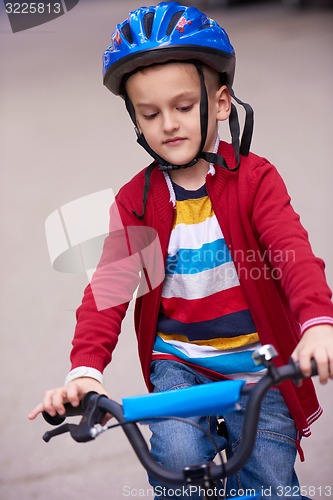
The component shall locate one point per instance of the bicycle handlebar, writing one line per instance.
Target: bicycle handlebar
(95, 406)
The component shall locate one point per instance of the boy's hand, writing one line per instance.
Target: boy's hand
(317, 343)
(73, 392)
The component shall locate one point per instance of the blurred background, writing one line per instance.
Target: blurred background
(63, 136)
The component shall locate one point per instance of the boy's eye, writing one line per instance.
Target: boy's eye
(186, 108)
(182, 109)
(150, 116)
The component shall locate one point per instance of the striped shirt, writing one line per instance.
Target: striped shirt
(204, 318)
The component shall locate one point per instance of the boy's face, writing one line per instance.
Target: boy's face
(166, 100)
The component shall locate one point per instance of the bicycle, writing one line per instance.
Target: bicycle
(218, 397)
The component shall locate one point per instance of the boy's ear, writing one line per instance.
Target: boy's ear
(223, 102)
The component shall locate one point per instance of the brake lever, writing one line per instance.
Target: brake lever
(85, 430)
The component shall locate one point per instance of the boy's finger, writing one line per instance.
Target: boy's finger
(304, 360)
(59, 398)
(36, 411)
(323, 369)
(73, 395)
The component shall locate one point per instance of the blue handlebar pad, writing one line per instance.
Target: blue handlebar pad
(215, 398)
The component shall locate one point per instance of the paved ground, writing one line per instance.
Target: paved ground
(63, 136)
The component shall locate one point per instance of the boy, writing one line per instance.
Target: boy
(239, 271)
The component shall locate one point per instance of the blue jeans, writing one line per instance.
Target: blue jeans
(269, 471)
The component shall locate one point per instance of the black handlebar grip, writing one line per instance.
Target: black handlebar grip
(56, 420)
(298, 374)
(71, 411)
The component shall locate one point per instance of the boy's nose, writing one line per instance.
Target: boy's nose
(170, 123)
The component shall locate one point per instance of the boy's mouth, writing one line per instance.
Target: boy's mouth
(174, 141)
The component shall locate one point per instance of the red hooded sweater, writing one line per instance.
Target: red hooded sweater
(283, 281)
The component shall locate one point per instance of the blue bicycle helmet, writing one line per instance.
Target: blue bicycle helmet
(165, 32)
(172, 32)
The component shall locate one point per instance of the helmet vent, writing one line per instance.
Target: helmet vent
(204, 26)
(174, 20)
(126, 31)
(148, 23)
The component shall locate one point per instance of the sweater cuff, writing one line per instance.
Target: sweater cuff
(84, 371)
(321, 320)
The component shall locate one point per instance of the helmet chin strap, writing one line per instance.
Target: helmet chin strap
(164, 164)
(211, 157)
(240, 149)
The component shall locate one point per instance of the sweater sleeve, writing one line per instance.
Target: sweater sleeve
(107, 296)
(286, 245)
